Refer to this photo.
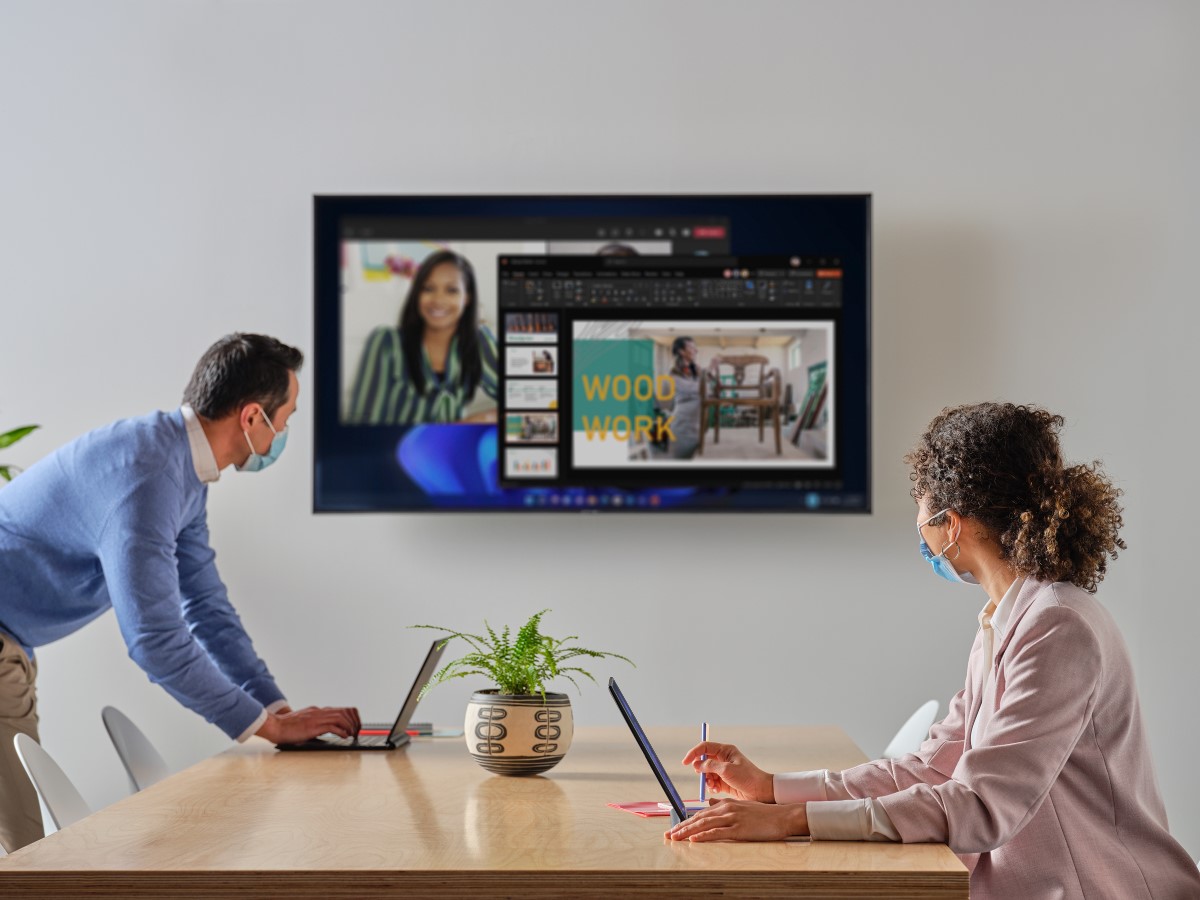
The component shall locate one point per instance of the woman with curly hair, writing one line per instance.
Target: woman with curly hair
(1040, 777)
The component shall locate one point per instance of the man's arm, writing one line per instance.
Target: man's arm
(137, 554)
(212, 620)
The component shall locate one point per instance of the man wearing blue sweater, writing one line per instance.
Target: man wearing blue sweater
(116, 518)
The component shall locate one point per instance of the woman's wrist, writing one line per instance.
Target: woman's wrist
(766, 789)
(798, 820)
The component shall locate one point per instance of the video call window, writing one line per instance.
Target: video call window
(421, 313)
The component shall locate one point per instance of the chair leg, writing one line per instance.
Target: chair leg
(703, 428)
(778, 429)
(717, 426)
(760, 424)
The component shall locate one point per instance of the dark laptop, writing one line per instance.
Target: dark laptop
(664, 781)
(398, 735)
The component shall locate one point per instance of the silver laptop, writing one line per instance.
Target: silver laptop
(398, 735)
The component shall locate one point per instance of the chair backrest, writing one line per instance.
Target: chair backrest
(913, 732)
(59, 796)
(739, 364)
(142, 762)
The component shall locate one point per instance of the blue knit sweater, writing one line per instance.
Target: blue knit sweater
(117, 518)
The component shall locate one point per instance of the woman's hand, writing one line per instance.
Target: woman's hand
(727, 771)
(742, 820)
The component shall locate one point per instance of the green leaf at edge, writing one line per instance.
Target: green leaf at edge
(11, 437)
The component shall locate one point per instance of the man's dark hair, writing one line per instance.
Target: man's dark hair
(240, 369)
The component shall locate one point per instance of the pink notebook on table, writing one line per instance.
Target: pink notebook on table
(649, 808)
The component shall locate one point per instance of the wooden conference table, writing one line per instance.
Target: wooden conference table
(426, 820)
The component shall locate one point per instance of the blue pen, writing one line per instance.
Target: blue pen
(703, 756)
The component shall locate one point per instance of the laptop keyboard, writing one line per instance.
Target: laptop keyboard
(362, 740)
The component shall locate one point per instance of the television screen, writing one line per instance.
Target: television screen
(592, 353)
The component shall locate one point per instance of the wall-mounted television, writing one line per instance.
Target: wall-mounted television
(592, 353)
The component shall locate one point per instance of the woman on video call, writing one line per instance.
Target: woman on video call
(1040, 777)
(428, 368)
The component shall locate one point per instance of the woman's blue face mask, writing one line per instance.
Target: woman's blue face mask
(942, 566)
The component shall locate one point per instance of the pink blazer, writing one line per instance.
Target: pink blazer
(1058, 799)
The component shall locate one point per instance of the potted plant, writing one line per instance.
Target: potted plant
(8, 439)
(517, 727)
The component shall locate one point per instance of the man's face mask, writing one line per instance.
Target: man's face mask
(256, 462)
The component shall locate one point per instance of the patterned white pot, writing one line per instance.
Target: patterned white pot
(518, 734)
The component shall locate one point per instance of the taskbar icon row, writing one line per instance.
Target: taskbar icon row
(550, 499)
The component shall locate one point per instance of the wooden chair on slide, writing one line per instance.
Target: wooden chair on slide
(754, 386)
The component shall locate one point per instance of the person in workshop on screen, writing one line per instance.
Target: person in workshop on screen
(684, 411)
(118, 518)
(1040, 777)
(428, 367)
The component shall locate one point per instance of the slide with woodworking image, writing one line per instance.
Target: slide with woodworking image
(714, 394)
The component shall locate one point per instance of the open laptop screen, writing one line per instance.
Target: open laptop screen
(432, 658)
(651, 757)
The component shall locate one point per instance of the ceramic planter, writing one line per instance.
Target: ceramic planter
(518, 734)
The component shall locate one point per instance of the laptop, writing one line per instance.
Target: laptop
(367, 737)
(664, 781)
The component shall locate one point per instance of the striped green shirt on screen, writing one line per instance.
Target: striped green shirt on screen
(384, 395)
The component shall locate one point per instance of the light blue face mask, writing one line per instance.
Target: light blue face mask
(942, 566)
(256, 462)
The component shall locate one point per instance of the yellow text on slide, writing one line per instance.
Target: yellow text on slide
(621, 427)
(622, 387)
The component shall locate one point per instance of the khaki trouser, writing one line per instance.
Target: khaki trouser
(20, 816)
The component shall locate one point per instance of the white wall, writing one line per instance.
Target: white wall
(1033, 166)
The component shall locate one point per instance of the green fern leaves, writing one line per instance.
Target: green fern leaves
(517, 666)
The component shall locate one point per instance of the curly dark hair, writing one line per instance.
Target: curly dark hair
(1000, 464)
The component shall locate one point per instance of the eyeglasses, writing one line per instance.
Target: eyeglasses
(925, 551)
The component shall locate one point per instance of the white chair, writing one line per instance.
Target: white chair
(59, 796)
(913, 732)
(142, 762)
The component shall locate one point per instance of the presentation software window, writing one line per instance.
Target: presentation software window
(669, 370)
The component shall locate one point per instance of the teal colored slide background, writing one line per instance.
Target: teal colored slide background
(597, 359)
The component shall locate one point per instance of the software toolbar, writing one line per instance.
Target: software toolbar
(671, 282)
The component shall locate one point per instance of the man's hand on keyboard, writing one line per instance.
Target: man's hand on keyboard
(294, 727)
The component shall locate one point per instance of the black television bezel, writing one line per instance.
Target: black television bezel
(329, 209)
